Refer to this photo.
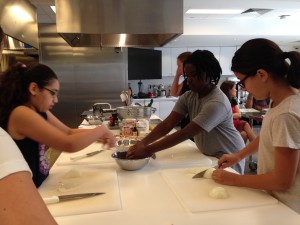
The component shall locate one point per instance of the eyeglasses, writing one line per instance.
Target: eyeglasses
(53, 93)
(241, 83)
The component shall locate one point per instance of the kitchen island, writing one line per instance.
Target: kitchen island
(151, 196)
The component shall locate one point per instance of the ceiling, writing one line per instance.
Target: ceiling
(225, 30)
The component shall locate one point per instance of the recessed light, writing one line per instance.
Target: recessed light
(215, 11)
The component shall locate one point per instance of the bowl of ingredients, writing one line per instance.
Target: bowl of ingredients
(129, 164)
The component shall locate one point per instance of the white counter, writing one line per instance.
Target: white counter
(147, 199)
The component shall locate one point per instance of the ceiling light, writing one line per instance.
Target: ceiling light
(214, 11)
(53, 8)
(21, 13)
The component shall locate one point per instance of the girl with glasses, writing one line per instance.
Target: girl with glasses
(270, 73)
(27, 94)
(16, 185)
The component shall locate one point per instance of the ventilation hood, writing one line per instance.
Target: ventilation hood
(18, 19)
(119, 23)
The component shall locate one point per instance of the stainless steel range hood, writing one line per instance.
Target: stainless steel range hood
(105, 23)
(18, 19)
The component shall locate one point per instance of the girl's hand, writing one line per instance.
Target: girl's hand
(228, 160)
(179, 72)
(224, 177)
(108, 137)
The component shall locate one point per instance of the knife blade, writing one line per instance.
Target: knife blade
(201, 174)
(60, 198)
(86, 155)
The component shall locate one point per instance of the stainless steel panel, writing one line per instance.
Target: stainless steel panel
(87, 75)
(84, 23)
(18, 19)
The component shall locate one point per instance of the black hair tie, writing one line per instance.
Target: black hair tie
(285, 55)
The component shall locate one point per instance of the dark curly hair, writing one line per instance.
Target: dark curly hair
(206, 65)
(15, 82)
(264, 54)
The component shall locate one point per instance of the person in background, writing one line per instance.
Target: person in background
(27, 94)
(210, 112)
(179, 88)
(20, 202)
(229, 89)
(264, 72)
(251, 102)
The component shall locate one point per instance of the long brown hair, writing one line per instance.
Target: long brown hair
(226, 86)
(15, 82)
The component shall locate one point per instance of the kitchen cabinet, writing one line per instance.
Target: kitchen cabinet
(169, 60)
(169, 57)
(226, 54)
(166, 63)
(163, 105)
(214, 50)
(165, 108)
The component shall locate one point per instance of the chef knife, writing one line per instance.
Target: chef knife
(201, 174)
(86, 155)
(60, 198)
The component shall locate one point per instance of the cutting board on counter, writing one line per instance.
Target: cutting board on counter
(193, 193)
(103, 157)
(184, 154)
(90, 179)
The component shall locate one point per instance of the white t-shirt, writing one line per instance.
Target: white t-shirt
(281, 128)
(11, 158)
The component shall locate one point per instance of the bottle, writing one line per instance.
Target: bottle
(154, 91)
(135, 131)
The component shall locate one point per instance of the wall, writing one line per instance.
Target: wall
(225, 55)
(87, 75)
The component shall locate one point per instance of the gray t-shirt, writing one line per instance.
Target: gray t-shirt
(213, 114)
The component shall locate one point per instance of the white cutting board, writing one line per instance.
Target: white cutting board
(183, 154)
(103, 157)
(90, 180)
(193, 193)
